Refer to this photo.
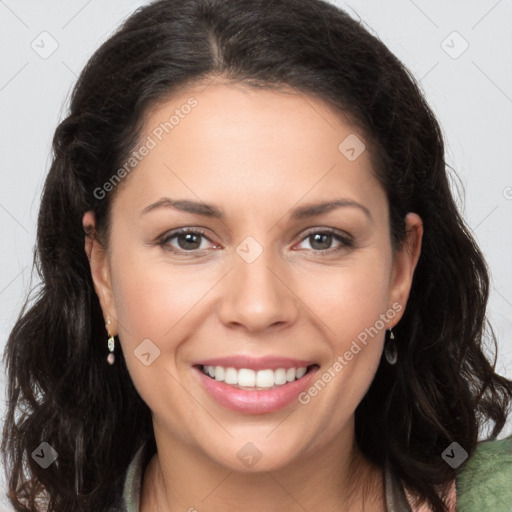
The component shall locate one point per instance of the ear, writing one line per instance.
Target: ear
(100, 270)
(404, 263)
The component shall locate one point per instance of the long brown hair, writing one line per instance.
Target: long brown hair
(60, 389)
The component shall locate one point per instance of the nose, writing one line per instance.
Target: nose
(258, 295)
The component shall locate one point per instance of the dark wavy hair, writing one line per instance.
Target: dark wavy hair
(60, 388)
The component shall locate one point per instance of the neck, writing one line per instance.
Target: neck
(334, 478)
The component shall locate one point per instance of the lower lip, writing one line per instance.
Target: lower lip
(258, 401)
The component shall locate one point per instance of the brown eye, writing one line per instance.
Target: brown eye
(187, 241)
(321, 241)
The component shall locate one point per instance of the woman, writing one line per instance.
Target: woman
(257, 289)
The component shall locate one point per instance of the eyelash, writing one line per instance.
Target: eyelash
(346, 242)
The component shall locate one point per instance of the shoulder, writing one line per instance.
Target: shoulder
(485, 481)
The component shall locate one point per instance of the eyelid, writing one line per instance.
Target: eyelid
(168, 235)
(345, 239)
(331, 231)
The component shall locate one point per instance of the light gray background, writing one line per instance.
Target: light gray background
(471, 95)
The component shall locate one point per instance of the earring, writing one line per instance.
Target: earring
(111, 357)
(390, 351)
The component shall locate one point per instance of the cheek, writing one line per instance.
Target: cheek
(350, 298)
(160, 303)
(152, 300)
(349, 302)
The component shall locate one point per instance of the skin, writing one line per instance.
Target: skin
(256, 155)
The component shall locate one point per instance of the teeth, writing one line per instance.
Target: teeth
(219, 373)
(262, 379)
(279, 376)
(301, 372)
(230, 376)
(265, 379)
(246, 378)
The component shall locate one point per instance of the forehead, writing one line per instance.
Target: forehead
(235, 142)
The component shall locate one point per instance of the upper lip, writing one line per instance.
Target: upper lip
(255, 363)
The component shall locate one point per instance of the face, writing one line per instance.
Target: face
(258, 274)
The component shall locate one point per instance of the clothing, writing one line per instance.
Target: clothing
(133, 480)
(484, 484)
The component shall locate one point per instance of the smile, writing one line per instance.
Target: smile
(245, 378)
(232, 392)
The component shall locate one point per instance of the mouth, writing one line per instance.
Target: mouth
(256, 380)
(257, 390)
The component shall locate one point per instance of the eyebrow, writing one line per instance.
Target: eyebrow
(210, 210)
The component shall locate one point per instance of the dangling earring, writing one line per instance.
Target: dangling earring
(390, 351)
(111, 357)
